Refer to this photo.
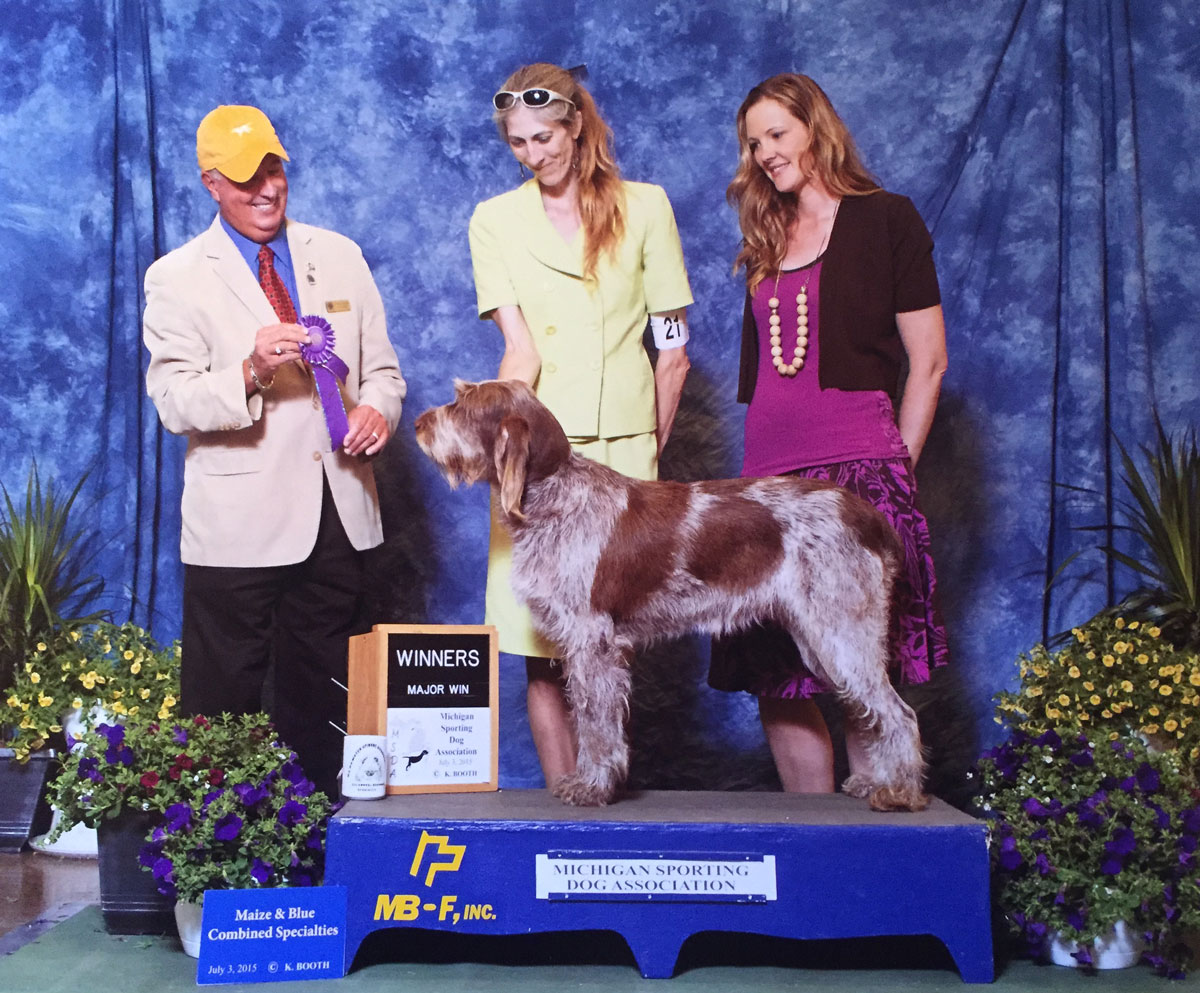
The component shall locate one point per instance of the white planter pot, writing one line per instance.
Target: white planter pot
(1120, 948)
(77, 843)
(187, 923)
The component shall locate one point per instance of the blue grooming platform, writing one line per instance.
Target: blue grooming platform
(658, 867)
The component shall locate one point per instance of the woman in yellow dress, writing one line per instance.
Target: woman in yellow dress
(570, 265)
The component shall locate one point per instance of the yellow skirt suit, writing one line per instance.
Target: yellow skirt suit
(596, 376)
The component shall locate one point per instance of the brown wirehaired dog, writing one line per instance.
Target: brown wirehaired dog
(608, 564)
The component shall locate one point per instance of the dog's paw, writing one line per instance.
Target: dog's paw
(580, 792)
(859, 786)
(898, 798)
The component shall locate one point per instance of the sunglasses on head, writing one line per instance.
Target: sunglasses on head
(535, 96)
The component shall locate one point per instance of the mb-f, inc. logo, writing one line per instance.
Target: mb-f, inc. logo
(434, 854)
(444, 857)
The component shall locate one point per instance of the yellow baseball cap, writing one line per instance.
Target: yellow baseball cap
(233, 140)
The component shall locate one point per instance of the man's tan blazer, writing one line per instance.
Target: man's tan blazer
(252, 475)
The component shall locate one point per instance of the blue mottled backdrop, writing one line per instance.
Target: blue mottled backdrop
(1052, 146)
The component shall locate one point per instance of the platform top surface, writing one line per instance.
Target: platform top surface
(660, 806)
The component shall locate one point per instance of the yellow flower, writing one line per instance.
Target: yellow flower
(1041, 671)
(1079, 635)
(1121, 647)
(77, 703)
(1119, 623)
(1133, 625)
(1053, 713)
(1073, 672)
(1108, 661)
(1126, 685)
(1084, 715)
(1166, 670)
(1106, 714)
(1034, 691)
(1089, 686)
(1170, 725)
(74, 635)
(1064, 700)
(117, 707)
(1165, 689)
(144, 692)
(1143, 658)
(1150, 729)
(88, 680)
(1153, 711)
(163, 713)
(169, 701)
(41, 646)
(35, 678)
(1154, 632)
(136, 668)
(1194, 678)
(45, 701)
(14, 701)
(1094, 700)
(1091, 654)
(128, 655)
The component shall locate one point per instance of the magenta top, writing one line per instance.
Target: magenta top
(792, 423)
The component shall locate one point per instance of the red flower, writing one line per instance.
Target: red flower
(173, 772)
(183, 761)
(150, 780)
(200, 721)
(216, 777)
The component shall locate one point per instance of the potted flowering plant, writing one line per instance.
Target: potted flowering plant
(108, 671)
(1113, 677)
(224, 802)
(1088, 833)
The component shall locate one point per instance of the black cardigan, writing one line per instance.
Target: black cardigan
(879, 263)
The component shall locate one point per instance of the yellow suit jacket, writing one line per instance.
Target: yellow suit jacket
(252, 475)
(596, 377)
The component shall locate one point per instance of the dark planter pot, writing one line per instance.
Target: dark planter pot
(23, 810)
(129, 900)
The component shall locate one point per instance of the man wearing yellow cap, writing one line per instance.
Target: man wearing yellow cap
(269, 350)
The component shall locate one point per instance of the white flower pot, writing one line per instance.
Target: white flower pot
(1120, 948)
(79, 842)
(187, 923)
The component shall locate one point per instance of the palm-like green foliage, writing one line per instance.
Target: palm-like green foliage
(43, 571)
(1163, 511)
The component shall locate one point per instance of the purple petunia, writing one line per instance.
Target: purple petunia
(1077, 918)
(1148, 778)
(177, 817)
(291, 813)
(1042, 862)
(227, 828)
(161, 868)
(113, 733)
(180, 736)
(1050, 738)
(1083, 759)
(1010, 856)
(260, 871)
(1035, 808)
(250, 794)
(1124, 842)
(89, 768)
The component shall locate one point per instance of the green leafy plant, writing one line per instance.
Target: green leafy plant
(1113, 678)
(44, 582)
(1087, 831)
(236, 808)
(107, 671)
(1164, 514)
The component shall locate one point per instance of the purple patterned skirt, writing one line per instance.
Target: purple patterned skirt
(765, 661)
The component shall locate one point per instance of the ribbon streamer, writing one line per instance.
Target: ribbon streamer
(327, 369)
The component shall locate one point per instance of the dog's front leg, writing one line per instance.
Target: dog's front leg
(598, 691)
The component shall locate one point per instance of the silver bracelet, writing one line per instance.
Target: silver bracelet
(258, 383)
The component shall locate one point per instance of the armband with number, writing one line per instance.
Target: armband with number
(669, 332)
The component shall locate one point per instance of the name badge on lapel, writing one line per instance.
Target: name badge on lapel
(337, 306)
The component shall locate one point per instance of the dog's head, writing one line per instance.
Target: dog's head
(496, 430)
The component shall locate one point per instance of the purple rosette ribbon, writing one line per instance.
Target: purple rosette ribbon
(327, 370)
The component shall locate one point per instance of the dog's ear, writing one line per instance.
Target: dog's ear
(461, 386)
(512, 456)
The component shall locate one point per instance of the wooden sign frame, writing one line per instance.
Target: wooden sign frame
(368, 707)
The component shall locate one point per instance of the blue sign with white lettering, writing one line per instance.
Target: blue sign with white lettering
(273, 935)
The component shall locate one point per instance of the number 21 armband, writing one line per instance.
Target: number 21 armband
(669, 332)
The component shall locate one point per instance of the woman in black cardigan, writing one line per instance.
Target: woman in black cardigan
(842, 295)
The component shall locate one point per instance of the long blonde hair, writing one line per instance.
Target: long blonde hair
(765, 214)
(601, 197)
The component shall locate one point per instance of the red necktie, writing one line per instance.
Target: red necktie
(273, 286)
